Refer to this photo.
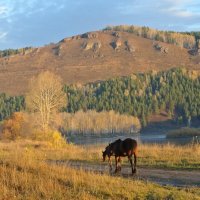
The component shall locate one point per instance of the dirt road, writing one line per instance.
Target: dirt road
(178, 178)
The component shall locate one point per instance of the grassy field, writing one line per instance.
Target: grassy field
(157, 156)
(25, 174)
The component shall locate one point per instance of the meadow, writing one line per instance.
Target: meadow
(26, 174)
(149, 155)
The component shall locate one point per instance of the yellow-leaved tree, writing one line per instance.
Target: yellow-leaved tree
(12, 127)
(45, 98)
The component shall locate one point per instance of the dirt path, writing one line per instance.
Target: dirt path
(179, 178)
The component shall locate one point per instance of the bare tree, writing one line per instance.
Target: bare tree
(45, 97)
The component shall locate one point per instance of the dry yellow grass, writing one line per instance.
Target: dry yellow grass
(25, 174)
(170, 156)
(149, 155)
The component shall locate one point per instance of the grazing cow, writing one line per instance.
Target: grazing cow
(119, 148)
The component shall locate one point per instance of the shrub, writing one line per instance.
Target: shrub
(53, 137)
(12, 127)
(56, 140)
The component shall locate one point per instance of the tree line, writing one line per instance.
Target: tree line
(176, 91)
(10, 52)
(93, 122)
(10, 104)
(185, 40)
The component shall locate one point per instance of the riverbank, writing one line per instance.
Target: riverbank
(184, 132)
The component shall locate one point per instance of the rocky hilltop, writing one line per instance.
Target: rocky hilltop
(91, 57)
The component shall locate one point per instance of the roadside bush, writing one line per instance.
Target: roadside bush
(23, 125)
(56, 140)
(53, 137)
(12, 127)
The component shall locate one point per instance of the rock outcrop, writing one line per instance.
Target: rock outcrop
(116, 44)
(95, 46)
(90, 35)
(116, 34)
(76, 37)
(56, 50)
(161, 48)
(66, 39)
(129, 47)
(198, 47)
(195, 51)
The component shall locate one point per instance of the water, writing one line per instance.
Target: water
(159, 138)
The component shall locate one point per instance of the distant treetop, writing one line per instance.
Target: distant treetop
(186, 39)
(10, 52)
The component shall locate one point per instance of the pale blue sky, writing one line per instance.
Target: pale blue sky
(39, 22)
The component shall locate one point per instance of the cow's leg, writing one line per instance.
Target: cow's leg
(110, 163)
(119, 166)
(131, 161)
(116, 163)
(135, 162)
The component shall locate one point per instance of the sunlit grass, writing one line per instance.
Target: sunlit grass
(149, 155)
(25, 174)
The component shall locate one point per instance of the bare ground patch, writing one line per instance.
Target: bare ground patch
(178, 178)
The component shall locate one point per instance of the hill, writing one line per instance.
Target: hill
(92, 57)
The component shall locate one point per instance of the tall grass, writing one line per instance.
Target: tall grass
(25, 174)
(149, 155)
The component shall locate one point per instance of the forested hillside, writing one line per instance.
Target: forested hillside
(176, 91)
(9, 104)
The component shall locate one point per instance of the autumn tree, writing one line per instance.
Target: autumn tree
(99, 122)
(45, 97)
(12, 127)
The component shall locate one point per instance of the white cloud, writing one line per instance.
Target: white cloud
(177, 8)
(3, 10)
(182, 8)
(178, 2)
(3, 36)
(12, 9)
(180, 12)
(184, 13)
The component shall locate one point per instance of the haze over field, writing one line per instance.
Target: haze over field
(39, 22)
